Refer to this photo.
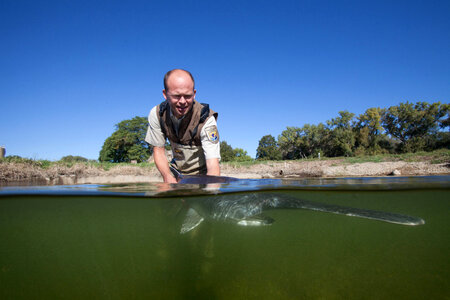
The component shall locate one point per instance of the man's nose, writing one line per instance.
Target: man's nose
(182, 99)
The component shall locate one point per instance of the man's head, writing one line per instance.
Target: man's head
(179, 91)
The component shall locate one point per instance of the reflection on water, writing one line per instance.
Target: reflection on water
(241, 185)
(88, 241)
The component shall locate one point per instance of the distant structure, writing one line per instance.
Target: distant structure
(2, 152)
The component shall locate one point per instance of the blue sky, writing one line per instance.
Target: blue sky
(71, 70)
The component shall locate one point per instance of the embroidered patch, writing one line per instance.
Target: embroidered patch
(213, 134)
(178, 154)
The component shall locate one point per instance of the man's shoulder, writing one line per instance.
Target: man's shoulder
(157, 109)
(205, 111)
(153, 112)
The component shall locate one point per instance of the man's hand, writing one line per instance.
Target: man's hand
(159, 154)
(170, 179)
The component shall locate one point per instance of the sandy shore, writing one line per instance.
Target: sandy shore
(24, 174)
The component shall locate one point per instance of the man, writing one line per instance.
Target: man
(189, 126)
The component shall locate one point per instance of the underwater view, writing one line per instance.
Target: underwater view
(348, 238)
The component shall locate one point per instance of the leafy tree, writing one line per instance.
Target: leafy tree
(268, 149)
(227, 153)
(241, 155)
(444, 122)
(313, 139)
(371, 119)
(309, 140)
(342, 137)
(127, 142)
(289, 143)
(414, 124)
(369, 133)
(442, 140)
(344, 121)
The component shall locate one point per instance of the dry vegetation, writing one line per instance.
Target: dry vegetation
(61, 174)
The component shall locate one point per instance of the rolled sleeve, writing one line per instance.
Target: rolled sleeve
(155, 136)
(211, 149)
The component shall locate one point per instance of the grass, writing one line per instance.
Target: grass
(362, 159)
(246, 163)
(435, 157)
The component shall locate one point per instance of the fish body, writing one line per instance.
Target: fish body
(247, 209)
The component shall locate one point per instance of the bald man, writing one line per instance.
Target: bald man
(189, 126)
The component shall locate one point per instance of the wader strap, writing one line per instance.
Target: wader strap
(203, 116)
(162, 108)
(174, 171)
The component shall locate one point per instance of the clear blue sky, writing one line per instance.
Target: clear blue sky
(71, 70)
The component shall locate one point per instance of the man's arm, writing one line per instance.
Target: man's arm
(212, 166)
(156, 137)
(211, 146)
(159, 154)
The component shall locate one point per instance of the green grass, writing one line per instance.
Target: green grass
(246, 163)
(358, 159)
(435, 157)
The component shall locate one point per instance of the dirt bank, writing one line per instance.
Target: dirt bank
(337, 168)
(20, 174)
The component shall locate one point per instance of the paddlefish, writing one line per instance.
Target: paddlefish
(246, 209)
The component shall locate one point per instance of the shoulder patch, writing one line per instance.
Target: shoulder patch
(212, 133)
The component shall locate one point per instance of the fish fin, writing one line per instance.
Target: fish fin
(259, 220)
(192, 220)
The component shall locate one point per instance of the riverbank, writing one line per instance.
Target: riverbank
(13, 173)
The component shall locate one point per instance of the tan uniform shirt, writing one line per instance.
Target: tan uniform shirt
(155, 136)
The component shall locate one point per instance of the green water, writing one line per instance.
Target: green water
(77, 247)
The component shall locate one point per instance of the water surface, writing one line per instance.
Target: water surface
(124, 242)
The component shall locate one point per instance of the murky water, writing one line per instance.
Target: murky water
(124, 242)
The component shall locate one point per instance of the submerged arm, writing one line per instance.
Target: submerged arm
(159, 154)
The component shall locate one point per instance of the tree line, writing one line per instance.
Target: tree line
(407, 127)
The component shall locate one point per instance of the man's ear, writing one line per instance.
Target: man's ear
(165, 95)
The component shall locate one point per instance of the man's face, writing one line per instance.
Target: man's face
(180, 93)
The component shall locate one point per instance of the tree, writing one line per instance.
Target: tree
(127, 142)
(240, 154)
(414, 125)
(227, 153)
(268, 149)
(342, 136)
(289, 142)
(369, 133)
(313, 139)
(309, 140)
